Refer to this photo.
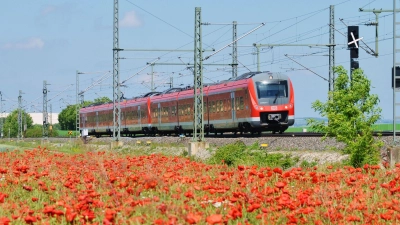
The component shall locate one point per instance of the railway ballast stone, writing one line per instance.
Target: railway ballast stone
(310, 149)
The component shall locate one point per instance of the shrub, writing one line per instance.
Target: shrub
(238, 153)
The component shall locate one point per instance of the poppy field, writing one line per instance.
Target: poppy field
(41, 186)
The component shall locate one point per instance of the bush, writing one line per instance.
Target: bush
(36, 132)
(229, 154)
(240, 154)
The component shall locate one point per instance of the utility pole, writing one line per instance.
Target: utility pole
(20, 115)
(331, 47)
(396, 50)
(198, 123)
(152, 77)
(234, 50)
(376, 24)
(395, 64)
(77, 106)
(25, 124)
(116, 84)
(51, 119)
(45, 132)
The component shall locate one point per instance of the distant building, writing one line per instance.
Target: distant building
(38, 117)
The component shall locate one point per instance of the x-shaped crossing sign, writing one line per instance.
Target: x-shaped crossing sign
(354, 40)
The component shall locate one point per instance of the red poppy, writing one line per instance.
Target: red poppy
(214, 219)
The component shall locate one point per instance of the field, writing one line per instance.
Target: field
(50, 185)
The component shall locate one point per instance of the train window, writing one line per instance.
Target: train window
(217, 106)
(173, 110)
(241, 103)
(272, 90)
(225, 105)
(213, 106)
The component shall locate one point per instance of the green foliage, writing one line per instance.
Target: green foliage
(306, 164)
(10, 127)
(67, 118)
(239, 154)
(56, 126)
(102, 100)
(36, 131)
(229, 154)
(351, 111)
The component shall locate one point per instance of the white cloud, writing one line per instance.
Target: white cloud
(31, 43)
(130, 20)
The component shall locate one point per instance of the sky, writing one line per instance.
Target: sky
(52, 40)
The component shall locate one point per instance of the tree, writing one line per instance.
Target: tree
(351, 111)
(67, 117)
(10, 127)
(102, 100)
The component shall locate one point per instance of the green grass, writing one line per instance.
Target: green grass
(64, 133)
(376, 127)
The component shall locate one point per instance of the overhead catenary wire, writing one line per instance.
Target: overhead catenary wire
(223, 57)
(307, 68)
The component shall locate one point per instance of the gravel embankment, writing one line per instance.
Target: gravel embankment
(306, 148)
(310, 149)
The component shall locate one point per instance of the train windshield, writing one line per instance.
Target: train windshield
(272, 90)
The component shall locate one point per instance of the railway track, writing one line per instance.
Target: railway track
(286, 134)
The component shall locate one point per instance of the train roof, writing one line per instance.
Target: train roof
(245, 76)
(174, 90)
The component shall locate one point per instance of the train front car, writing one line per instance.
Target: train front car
(272, 98)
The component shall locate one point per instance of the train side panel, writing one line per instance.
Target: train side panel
(164, 112)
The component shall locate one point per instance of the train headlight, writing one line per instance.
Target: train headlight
(271, 77)
(262, 108)
(285, 106)
(256, 106)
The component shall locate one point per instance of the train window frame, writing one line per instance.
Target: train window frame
(283, 89)
(173, 110)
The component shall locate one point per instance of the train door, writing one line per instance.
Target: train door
(97, 120)
(139, 113)
(233, 107)
(84, 120)
(177, 112)
(159, 114)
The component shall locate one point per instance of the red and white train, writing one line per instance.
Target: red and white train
(253, 102)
